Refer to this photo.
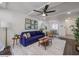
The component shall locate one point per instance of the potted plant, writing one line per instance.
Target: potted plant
(75, 29)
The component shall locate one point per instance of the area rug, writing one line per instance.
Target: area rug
(57, 48)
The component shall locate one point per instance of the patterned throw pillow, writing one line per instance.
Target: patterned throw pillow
(28, 35)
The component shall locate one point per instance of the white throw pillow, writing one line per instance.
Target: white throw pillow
(28, 35)
(25, 35)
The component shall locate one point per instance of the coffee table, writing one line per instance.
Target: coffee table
(44, 41)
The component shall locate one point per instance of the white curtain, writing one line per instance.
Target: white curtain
(1, 46)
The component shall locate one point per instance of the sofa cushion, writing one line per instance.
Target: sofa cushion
(35, 33)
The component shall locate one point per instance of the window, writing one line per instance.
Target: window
(55, 26)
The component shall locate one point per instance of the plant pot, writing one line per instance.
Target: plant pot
(77, 47)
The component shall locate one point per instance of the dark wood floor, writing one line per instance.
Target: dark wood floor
(70, 47)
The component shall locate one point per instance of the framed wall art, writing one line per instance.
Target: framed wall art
(31, 24)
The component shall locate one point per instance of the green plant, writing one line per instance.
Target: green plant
(75, 29)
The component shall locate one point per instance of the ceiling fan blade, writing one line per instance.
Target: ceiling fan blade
(46, 7)
(37, 11)
(50, 11)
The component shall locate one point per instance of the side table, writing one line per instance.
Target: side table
(15, 38)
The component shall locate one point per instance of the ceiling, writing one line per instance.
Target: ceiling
(27, 7)
(61, 10)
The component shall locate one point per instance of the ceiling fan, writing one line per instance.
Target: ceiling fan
(44, 12)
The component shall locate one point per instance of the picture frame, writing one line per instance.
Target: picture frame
(30, 24)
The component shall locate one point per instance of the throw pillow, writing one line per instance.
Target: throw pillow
(25, 35)
(28, 35)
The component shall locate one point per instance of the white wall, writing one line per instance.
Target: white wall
(61, 28)
(16, 22)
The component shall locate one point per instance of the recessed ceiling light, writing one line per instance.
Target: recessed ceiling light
(68, 12)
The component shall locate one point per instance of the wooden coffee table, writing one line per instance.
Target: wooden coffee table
(44, 42)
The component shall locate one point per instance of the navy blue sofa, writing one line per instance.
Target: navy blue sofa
(35, 35)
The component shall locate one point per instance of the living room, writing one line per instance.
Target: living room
(18, 18)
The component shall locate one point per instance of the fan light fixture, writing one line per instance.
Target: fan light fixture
(43, 14)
